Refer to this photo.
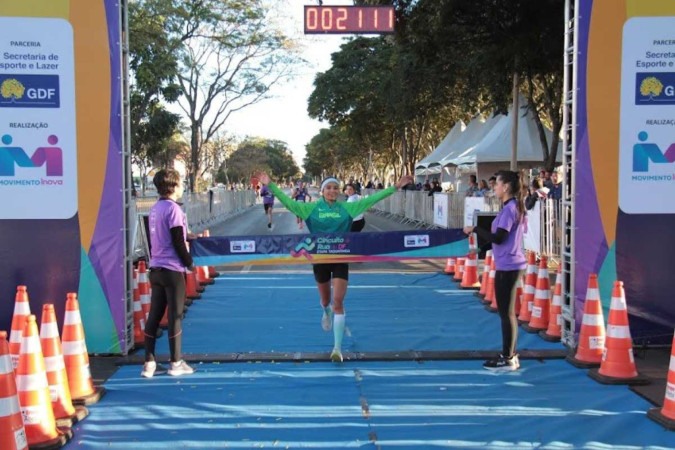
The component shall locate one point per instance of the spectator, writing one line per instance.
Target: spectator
(472, 190)
(435, 187)
(555, 191)
(491, 185)
(483, 189)
(545, 178)
(536, 193)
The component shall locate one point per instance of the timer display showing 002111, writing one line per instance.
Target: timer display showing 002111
(349, 19)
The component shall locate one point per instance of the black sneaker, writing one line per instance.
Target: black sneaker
(502, 364)
(269, 225)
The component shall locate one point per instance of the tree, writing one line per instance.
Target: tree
(379, 95)
(230, 59)
(258, 154)
(486, 46)
(153, 68)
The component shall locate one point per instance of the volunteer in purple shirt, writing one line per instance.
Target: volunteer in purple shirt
(506, 236)
(169, 259)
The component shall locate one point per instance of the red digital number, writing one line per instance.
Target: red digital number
(311, 16)
(342, 18)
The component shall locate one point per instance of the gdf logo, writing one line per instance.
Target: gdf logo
(29, 91)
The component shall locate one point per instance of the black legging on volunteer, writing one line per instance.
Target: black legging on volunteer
(168, 292)
(506, 282)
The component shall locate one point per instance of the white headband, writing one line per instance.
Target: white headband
(329, 180)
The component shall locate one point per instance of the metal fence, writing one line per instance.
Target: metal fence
(417, 208)
(414, 208)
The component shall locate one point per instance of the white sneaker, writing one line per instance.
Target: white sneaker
(180, 368)
(327, 320)
(336, 356)
(150, 369)
(502, 364)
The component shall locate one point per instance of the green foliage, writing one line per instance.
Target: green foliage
(258, 154)
(153, 67)
(448, 60)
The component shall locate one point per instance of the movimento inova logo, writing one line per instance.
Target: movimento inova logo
(29, 91)
(655, 88)
(644, 152)
(48, 159)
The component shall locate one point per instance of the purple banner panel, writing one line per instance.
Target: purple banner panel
(329, 248)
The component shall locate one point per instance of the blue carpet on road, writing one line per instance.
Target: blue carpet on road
(385, 312)
(403, 404)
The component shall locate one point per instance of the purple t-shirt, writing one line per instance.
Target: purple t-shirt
(266, 194)
(509, 254)
(164, 215)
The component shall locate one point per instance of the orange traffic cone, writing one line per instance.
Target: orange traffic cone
(470, 275)
(212, 270)
(144, 288)
(203, 276)
(34, 395)
(12, 432)
(76, 357)
(665, 415)
(592, 333)
(490, 299)
(450, 266)
(459, 269)
(145, 292)
(618, 364)
(191, 286)
(139, 316)
(529, 289)
(554, 331)
(65, 413)
(21, 313)
(486, 274)
(542, 300)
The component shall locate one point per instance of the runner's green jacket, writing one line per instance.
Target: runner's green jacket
(322, 217)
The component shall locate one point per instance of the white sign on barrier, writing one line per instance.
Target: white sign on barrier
(441, 207)
(532, 234)
(471, 205)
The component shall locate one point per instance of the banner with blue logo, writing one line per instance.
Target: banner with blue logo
(625, 160)
(62, 226)
(329, 248)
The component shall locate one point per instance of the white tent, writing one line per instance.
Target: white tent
(474, 132)
(422, 167)
(493, 152)
(496, 145)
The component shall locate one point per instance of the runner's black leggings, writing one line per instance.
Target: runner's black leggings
(168, 293)
(506, 282)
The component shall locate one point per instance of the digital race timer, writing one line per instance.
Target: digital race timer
(349, 19)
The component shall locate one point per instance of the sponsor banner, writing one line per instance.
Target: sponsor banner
(647, 135)
(328, 248)
(38, 148)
